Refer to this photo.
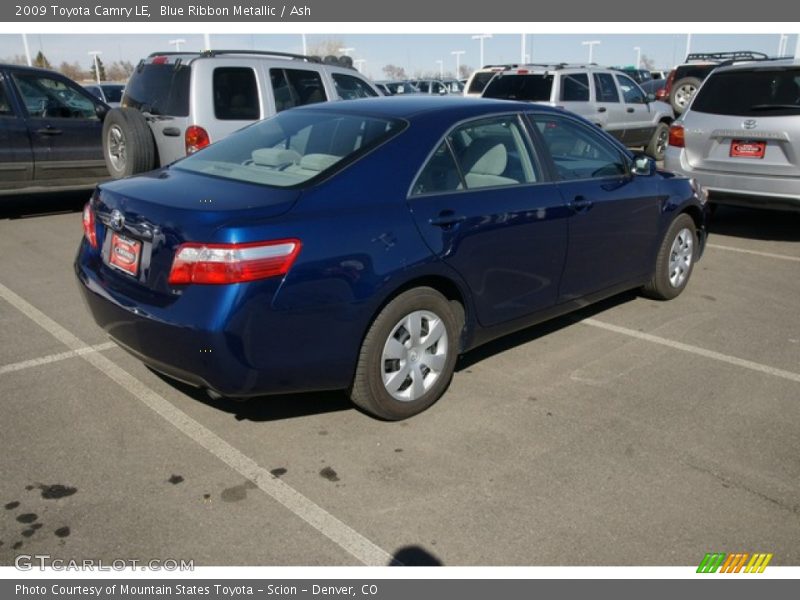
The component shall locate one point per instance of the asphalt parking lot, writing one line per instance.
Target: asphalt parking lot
(633, 433)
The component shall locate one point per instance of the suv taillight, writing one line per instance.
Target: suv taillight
(670, 81)
(676, 136)
(196, 138)
(232, 263)
(89, 229)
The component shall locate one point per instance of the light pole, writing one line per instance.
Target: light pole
(797, 48)
(360, 63)
(457, 54)
(784, 40)
(207, 41)
(638, 57)
(177, 44)
(95, 54)
(27, 49)
(591, 45)
(345, 51)
(305, 46)
(688, 44)
(522, 50)
(481, 37)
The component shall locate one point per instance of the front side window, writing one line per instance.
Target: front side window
(631, 92)
(486, 153)
(292, 147)
(605, 88)
(52, 98)
(758, 93)
(349, 87)
(5, 105)
(575, 88)
(578, 151)
(235, 94)
(296, 87)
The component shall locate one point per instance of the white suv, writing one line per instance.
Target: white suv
(606, 97)
(176, 103)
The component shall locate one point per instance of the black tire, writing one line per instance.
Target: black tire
(667, 283)
(369, 391)
(682, 92)
(128, 145)
(657, 147)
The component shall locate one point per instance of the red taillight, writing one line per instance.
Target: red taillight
(670, 81)
(89, 231)
(196, 138)
(160, 60)
(676, 136)
(232, 263)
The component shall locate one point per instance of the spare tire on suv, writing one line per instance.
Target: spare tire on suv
(128, 145)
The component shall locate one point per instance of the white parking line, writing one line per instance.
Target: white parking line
(755, 252)
(731, 360)
(347, 538)
(51, 358)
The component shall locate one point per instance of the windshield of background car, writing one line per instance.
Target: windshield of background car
(292, 147)
(113, 93)
(402, 88)
(760, 92)
(533, 87)
(160, 89)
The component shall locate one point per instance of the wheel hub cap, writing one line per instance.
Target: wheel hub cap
(680, 257)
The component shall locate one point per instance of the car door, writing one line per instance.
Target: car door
(16, 155)
(614, 218)
(608, 104)
(638, 119)
(484, 206)
(66, 132)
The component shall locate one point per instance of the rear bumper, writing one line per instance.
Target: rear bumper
(227, 339)
(781, 193)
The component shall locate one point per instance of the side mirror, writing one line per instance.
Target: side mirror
(101, 110)
(651, 97)
(643, 165)
(442, 91)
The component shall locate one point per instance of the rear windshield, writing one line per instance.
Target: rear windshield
(760, 92)
(479, 82)
(159, 89)
(292, 147)
(533, 87)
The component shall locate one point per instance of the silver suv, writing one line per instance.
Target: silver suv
(177, 103)
(606, 97)
(740, 137)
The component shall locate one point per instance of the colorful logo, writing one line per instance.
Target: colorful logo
(734, 563)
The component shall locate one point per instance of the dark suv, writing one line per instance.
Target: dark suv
(50, 132)
(684, 79)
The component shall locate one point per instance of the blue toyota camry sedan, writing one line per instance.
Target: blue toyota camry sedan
(364, 245)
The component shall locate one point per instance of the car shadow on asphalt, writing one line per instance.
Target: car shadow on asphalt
(755, 224)
(43, 204)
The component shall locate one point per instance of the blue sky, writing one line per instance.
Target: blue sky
(414, 52)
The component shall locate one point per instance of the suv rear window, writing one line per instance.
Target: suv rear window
(760, 92)
(159, 89)
(349, 87)
(479, 81)
(296, 87)
(533, 87)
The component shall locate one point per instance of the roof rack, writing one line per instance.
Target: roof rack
(725, 56)
(340, 61)
(766, 59)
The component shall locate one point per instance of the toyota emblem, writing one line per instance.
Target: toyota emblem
(117, 221)
(749, 124)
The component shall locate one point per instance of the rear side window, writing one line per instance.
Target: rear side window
(575, 88)
(479, 81)
(605, 88)
(350, 88)
(533, 87)
(757, 93)
(296, 87)
(236, 94)
(160, 89)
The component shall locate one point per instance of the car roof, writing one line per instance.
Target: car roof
(27, 68)
(759, 64)
(408, 107)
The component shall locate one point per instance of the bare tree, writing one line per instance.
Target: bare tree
(327, 47)
(117, 72)
(73, 70)
(394, 72)
(647, 63)
(17, 59)
(464, 71)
